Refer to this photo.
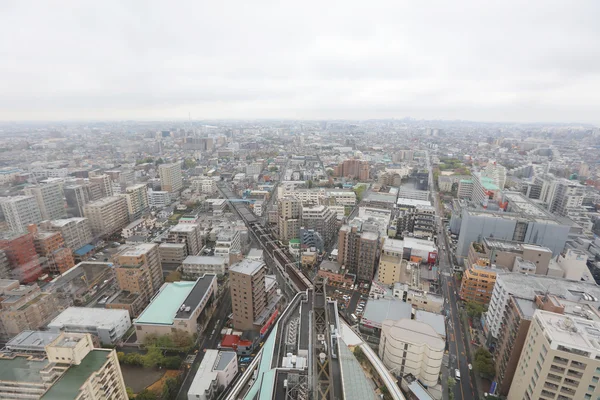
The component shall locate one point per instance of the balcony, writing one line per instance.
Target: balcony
(560, 360)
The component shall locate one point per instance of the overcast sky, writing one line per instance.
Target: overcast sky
(513, 61)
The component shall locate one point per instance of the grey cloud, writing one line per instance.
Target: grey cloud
(509, 60)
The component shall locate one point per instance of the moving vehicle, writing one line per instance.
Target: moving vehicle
(457, 374)
(353, 317)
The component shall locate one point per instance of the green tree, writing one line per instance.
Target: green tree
(310, 184)
(121, 357)
(134, 359)
(273, 169)
(451, 383)
(170, 389)
(182, 340)
(130, 394)
(189, 163)
(159, 161)
(153, 357)
(474, 310)
(359, 191)
(146, 395)
(173, 362)
(483, 362)
(359, 354)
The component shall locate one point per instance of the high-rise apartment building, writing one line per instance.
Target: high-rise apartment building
(496, 172)
(354, 169)
(20, 211)
(204, 184)
(104, 183)
(107, 215)
(478, 283)
(77, 197)
(289, 218)
(560, 359)
(24, 307)
(322, 220)
(567, 195)
(51, 245)
(485, 190)
(49, 197)
(170, 177)
(76, 232)
(158, 198)
(137, 201)
(138, 270)
(248, 294)
(358, 251)
(23, 260)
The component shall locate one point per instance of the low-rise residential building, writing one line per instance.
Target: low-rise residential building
(172, 253)
(108, 325)
(196, 266)
(217, 370)
(390, 261)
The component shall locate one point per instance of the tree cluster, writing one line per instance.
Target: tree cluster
(474, 310)
(483, 362)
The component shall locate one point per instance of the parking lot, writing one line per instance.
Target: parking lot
(350, 300)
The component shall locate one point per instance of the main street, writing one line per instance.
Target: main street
(456, 337)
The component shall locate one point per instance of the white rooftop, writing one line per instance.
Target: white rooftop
(204, 260)
(83, 316)
(570, 331)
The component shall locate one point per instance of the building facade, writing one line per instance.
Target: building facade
(20, 212)
(170, 177)
(107, 215)
(49, 197)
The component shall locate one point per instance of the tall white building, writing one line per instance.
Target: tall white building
(20, 211)
(496, 172)
(217, 369)
(204, 184)
(49, 197)
(105, 184)
(107, 215)
(412, 347)
(565, 196)
(137, 200)
(170, 177)
(560, 359)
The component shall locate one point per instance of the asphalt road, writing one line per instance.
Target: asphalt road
(208, 341)
(457, 347)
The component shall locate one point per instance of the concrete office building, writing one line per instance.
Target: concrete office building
(49, 197)
(574, 264)
(485, 190)
(465, 189)
(108, 325)
(76, 232)
(138, 269)
(228, 245)
(322, 220)
(107, 215)
(185, 306)
(522, 222)
(566, 195)
(69, 368)
(528, 286)
(205, 185)
(196, 266)
(408, 346)
(560, 357)
(24, 307)
(289, 218)
(170, 177)
(504, 253)
(390, 261)
(411, 194)
(358, 251)
(20, 211)
(77, 196)
(478, 283)
(137, 201)
(217, 369)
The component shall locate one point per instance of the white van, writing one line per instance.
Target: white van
(457, 374)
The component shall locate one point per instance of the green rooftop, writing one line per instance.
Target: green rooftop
(69, 384)
(466, 180)
(20, 369)
(488, 183)
(163, 308)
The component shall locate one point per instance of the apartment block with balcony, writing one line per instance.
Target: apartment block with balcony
(49, 197)
(24, 307)
(23, 260)
(138, 270)
(20, 211)
(69, 368)
(137, 201)
(76, 232)
(107, 215)
(107, 325)
(358, 251)
(478, 283)
(560, 359)
(189, 234)
(171, 179)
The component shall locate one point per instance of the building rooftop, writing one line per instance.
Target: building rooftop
(184, 228)
(378, 310)
(568, 331)
(421, 331)
(22, 369)
(31, 341)
(488, 183)
(69, 384)
(137, 250)
(420, 244)
(196, 295)
(164, 306)
(62, 222)
(247, 267)
(356, 385)
(205, 260)
(80, 316)
(402, 201)
(393, 245)
(436, 321)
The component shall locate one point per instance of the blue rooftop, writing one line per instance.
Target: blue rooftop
(84, 250)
